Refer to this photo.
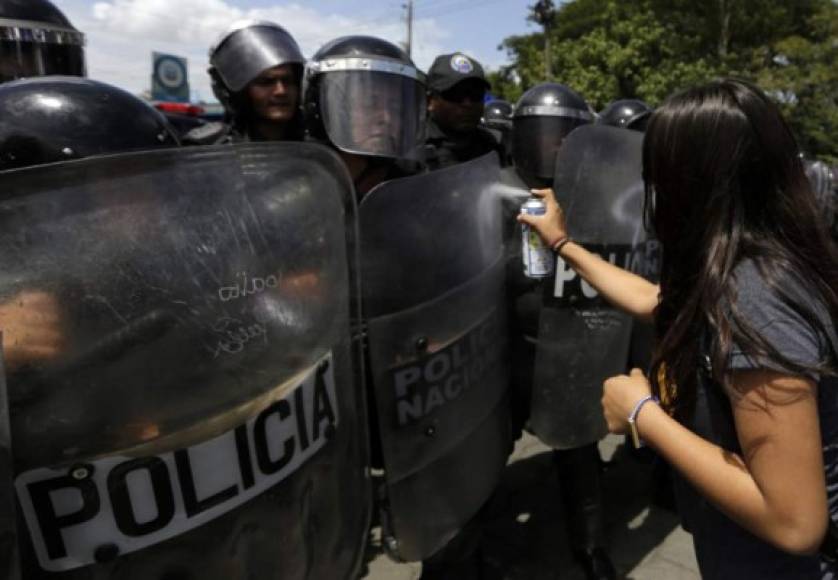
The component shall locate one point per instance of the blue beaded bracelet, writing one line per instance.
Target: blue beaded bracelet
(632, 419)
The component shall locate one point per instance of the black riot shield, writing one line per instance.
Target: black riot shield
(433, 270)
(190, 409)
(581, 339)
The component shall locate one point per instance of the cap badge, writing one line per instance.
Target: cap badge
(461, 64)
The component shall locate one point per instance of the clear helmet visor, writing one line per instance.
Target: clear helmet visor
(20, 60)
(536, 141)
(373, 113)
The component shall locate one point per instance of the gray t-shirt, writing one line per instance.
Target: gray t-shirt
(724, 549)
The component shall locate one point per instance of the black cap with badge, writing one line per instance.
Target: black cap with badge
(449, 69)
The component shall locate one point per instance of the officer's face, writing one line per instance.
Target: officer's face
(275, 94)
(460, 108)
(377, 128)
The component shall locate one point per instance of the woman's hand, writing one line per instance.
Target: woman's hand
(550, 226)
(619, 396)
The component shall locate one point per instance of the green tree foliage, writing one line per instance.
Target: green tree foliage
(647, 49)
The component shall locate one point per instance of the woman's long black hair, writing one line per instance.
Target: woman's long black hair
(725, 183)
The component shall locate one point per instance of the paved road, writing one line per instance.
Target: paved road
(526, 540)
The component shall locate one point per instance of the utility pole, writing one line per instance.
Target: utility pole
(543, 13)
(409, 43)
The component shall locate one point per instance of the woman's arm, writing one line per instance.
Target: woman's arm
(776, 489)
(623, 289)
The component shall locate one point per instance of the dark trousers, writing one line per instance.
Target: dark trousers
(581, 491)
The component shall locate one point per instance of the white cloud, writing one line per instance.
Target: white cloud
(122, 34)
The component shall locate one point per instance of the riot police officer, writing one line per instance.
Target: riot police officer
(36, 39)
(136, 362)
(256, 69)
(497, 119)
(634, 114)
(45, 120)
(456, 91)
(544, 116)
(365, 97)
(626, 113)
(53, 119)
(497, 113)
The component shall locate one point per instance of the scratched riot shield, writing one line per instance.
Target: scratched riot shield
(581, 339)
(181, 381)
(432, 278)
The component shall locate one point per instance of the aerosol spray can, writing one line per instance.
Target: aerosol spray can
(539, 261)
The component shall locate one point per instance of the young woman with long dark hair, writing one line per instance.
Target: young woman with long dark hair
(746, 347)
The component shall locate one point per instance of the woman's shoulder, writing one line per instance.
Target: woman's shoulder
(761, 288)
(785, 308)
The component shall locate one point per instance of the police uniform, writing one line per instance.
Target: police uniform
(445, 149)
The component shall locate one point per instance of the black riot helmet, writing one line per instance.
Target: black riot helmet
(627, 114)
(49, 119)
(366, 97)
(36, 39)
(497, 113)
(497, 120)
(544, 116)
(242, 53)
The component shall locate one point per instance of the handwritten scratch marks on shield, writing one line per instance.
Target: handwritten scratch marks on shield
(234, 335)
(244, 286)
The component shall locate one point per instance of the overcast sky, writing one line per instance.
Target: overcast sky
(121, 34)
